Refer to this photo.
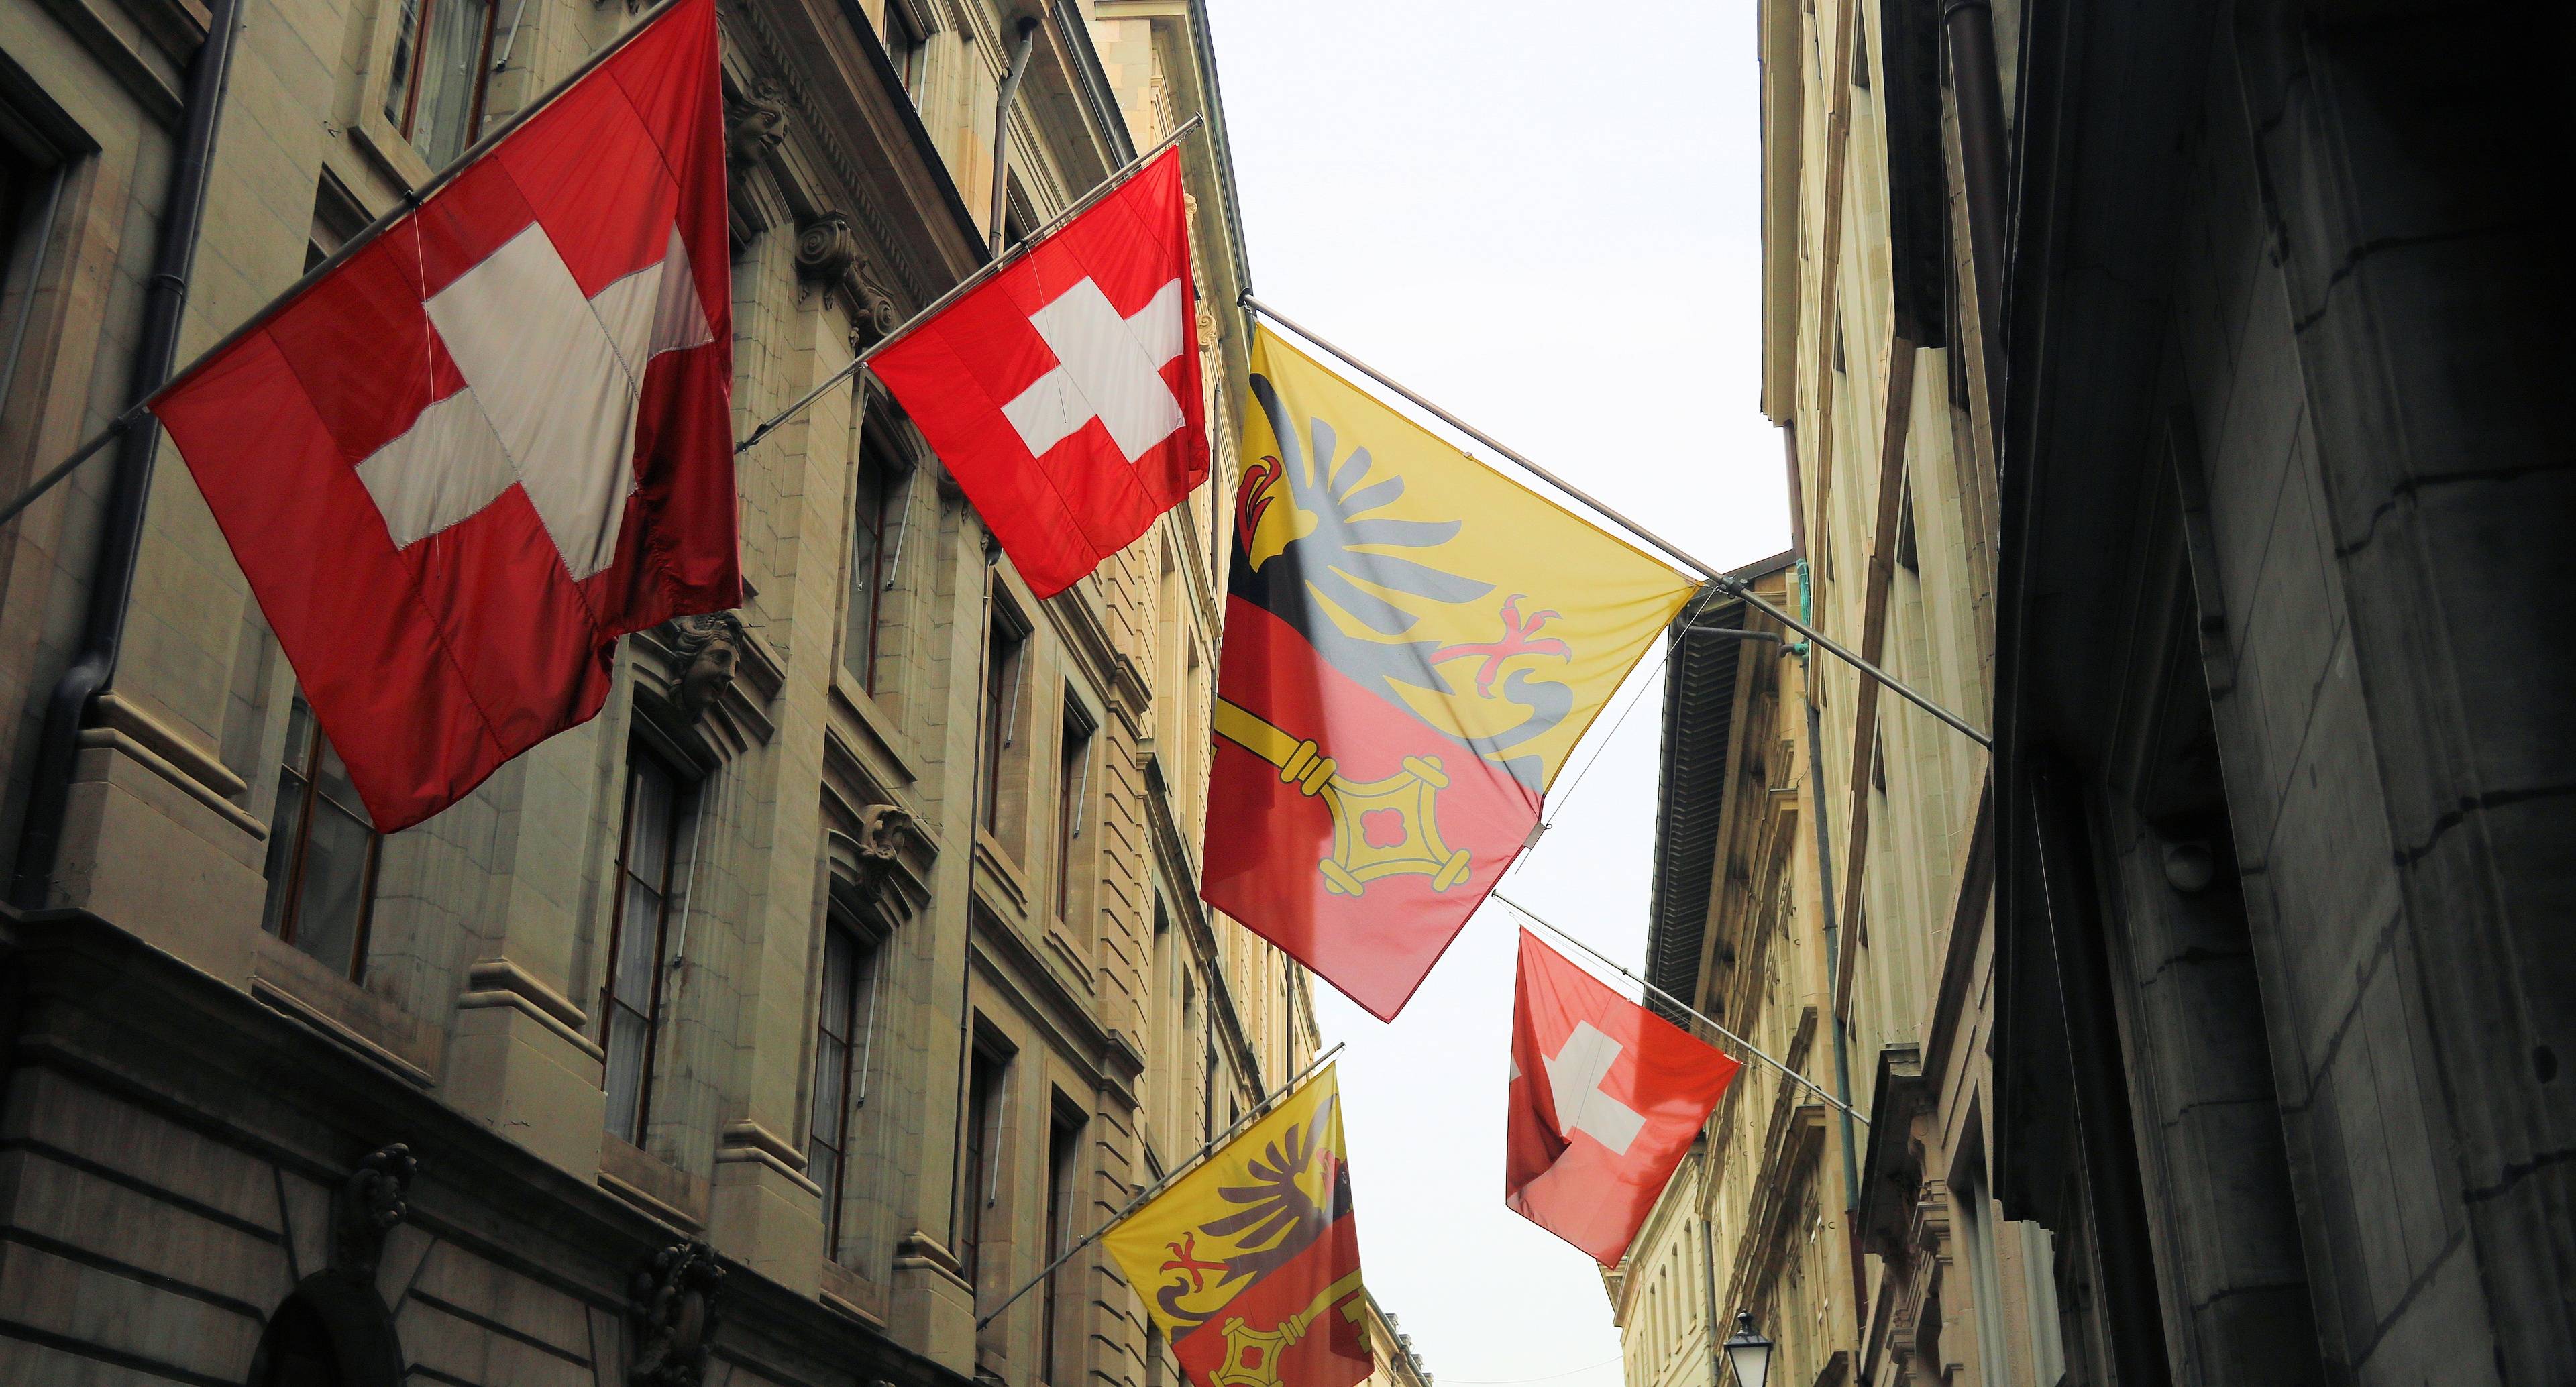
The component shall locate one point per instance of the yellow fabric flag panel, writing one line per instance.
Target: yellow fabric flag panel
(1486, 609)
(1250, 1263)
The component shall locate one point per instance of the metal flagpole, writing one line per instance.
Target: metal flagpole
(989, 269)
(1184, 1168)
(1756, 1051)
(1735, 587)
(409, 203)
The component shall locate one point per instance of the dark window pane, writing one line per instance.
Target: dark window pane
(451, 78)
(630, 994)
(636, 945)
(831, 1068)
(867, 572)
(285, 837)
(398, 90)
(627, 1033)
(331, 906)
(321, 851)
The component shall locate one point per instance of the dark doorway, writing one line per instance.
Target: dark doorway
(332, 1332)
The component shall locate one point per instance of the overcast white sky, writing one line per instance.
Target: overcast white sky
(1542, 215)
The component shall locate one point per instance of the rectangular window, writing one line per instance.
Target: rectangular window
(442, 55)
(1064, 1148)
(904, 47)
(321, 851)
(337, 216)
(1207, 1114)
(873, 514)
(1004, 645)
(845, 1038)
(978, 1172)
(630, 1001)
(1905, 557)
(31, 206)
(1073, 792)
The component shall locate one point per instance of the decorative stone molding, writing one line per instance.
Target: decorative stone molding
(368, 1204)
(708, 682)
(755, 125)
(671, 1311)
(704, 652)
(826, 249)
(830, 254)
(884, 831)
(881, 868)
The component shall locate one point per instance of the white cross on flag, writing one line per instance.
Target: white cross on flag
(1063, 394)
(459, 466)
(1605, 1099)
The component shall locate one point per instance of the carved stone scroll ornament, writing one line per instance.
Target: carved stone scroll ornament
(704, 651)
(671, 1307)
(826, 248)
(828, 253)
(370, 1202)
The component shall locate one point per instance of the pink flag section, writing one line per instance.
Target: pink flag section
(1605, 1098)
(1064, 395)
(460, 466)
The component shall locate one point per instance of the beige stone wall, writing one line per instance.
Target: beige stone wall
(1871, 1250)
(1133, 1014)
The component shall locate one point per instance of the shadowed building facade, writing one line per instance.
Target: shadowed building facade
(2165, 393)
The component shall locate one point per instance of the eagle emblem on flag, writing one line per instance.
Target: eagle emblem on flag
(1414, 643)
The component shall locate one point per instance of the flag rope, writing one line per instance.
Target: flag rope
(1735, 587)
(1749, 1047)
(990, 268)
(1184, 1168)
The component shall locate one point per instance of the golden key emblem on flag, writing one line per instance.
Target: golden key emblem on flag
(1364, 849)
(1252, 1355)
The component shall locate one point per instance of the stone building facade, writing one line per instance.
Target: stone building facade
(2284, 762)
(1824, 872)
(772, 1027)
(2164, 393)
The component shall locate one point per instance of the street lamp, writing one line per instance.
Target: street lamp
(1749, 1352)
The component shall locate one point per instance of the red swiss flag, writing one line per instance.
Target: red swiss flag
(460, 466)
(1605, 1099)
(1063, 394)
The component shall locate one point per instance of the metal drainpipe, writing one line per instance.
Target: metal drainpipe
(93, 665)
(1002, 127)
(1968, 27)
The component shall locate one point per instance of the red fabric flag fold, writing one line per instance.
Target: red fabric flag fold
(1605, 1099)
(498, 437)
(1064, 393)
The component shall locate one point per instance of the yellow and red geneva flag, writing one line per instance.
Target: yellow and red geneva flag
(1251, 1264)
(1413, 645)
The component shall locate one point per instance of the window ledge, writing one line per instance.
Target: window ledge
(652, 1184)
(287, 981)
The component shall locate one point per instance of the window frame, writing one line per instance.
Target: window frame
(1064, 1158)
(979, 1164)
(908, 54)
(412, 34)
(683, 792)
(879, 478)
(857, 1045)
(1074, 756)
(1006, 652)
(290, 912)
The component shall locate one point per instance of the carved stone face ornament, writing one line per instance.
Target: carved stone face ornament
(704, 651)
(755, 124)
